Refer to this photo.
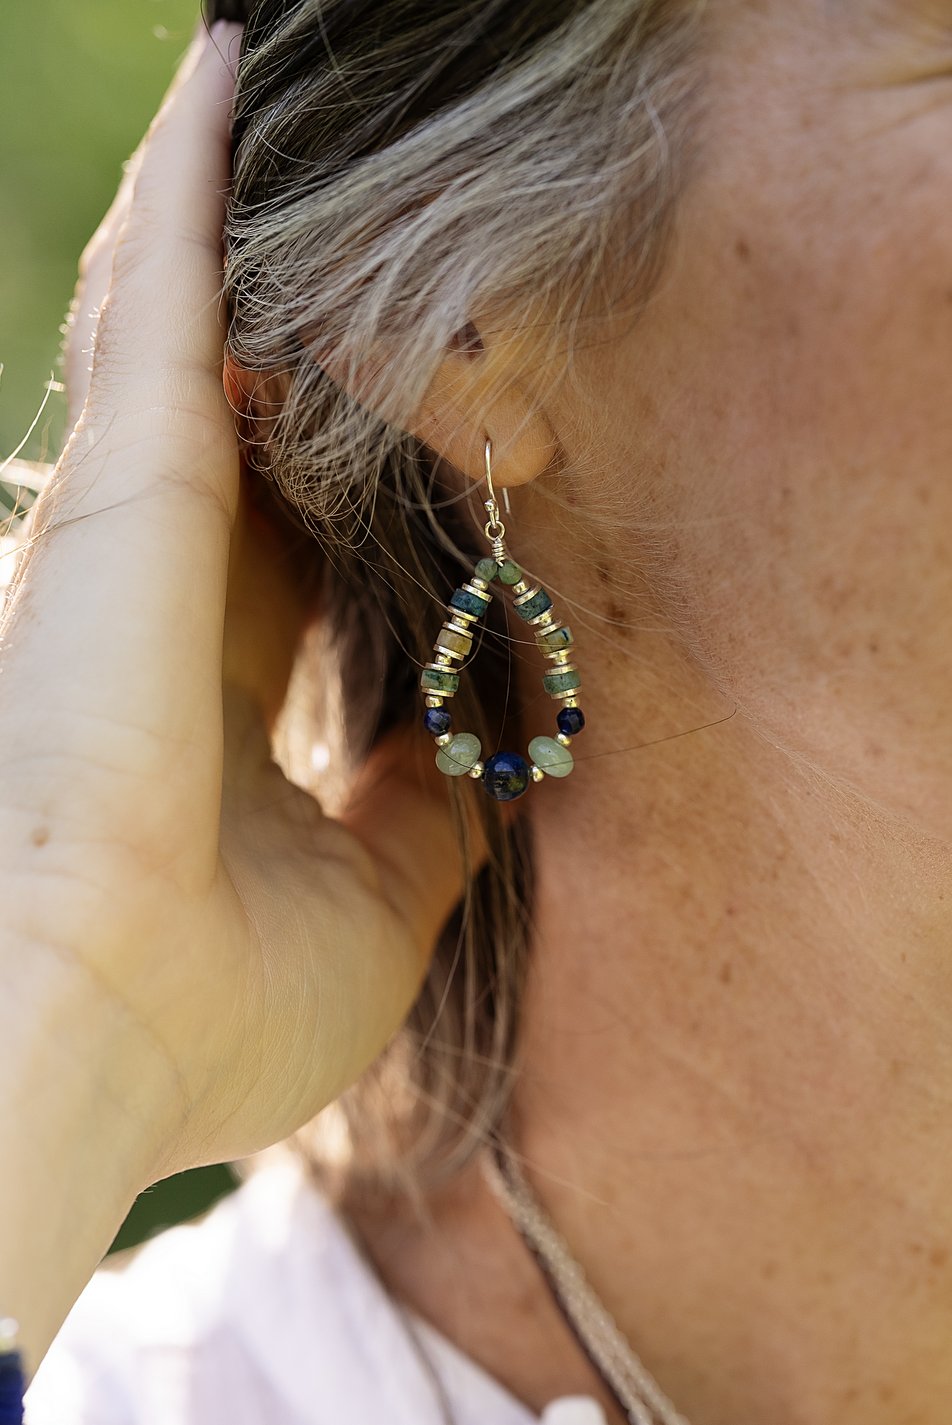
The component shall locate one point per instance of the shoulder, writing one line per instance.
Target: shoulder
(260, 1309)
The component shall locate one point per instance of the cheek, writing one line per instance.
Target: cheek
(806, 336)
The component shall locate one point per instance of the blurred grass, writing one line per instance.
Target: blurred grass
(79, 84)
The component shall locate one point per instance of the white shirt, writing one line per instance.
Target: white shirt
(262, 1312)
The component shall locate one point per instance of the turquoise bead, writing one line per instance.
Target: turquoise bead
(469, 603)
(536, 605)
(561, 682)
(554, 759)
(434, 680)
(456, 757)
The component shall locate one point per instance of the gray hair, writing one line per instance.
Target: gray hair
(398, 166)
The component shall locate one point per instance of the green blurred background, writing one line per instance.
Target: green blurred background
(80, 83)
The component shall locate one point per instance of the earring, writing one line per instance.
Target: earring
(504, 775)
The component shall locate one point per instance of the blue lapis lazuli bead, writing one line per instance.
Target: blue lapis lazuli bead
(505, 776)
(570, 721)
(437, 721)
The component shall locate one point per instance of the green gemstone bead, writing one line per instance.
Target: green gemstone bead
(557, 638)
(561, 682)
(509, 572)
(432, 680)
(536, 605)
(487, 569)
(454, 642)
(554, 759)
(457, 756)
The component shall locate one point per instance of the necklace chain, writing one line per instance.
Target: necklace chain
(623, 1372)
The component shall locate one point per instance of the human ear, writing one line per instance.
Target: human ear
(478, 392)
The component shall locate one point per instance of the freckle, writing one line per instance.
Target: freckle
(40, 836)
(742, 249)
(886, 1392)
(939, 1256)
(915, 1248)
(768, 1270)
(730, 910)
(616, 613)
(873, 645)
(602, 572)
(726, 973)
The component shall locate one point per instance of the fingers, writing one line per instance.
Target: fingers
(123, 595)
(161, 332)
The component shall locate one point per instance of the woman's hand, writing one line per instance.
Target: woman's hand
(151, 850)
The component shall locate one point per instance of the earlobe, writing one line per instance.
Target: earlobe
(458, 414)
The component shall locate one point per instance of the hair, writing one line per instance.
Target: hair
(398, 165)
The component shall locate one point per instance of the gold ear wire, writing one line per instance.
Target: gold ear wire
(489, 481)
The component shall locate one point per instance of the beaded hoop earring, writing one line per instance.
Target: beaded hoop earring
(504, 775)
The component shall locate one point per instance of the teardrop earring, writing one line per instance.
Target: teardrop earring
(504, 775)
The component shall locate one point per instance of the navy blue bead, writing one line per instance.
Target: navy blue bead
(570, 721)
(506, 776)
(437, 721)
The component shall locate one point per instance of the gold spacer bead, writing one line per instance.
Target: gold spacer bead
(461, 620)
(443, 739)
(569, 700)
(474, 583)
(542, 620)
(564, 738)
(536, 773)
(520, 587)
(444, 660)
(477, 769)
(433, 702)
(457, 627)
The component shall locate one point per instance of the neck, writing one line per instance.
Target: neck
(737, 1067)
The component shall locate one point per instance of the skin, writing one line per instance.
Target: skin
(736, 1099)
(736, 1063)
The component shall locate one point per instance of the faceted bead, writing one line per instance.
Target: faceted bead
(536, 605)
(509, 572)
(487, 569)
(554, 759)
(469, 603)
(570, 720)
(438, 681)
(555, 638)
(506, 776)
(437, 721)
(561, 682)
(454, 642)
(459, 754)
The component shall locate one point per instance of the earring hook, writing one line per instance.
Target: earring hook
(489, 481)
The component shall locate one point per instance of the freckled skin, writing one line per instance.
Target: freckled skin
(736, 1072)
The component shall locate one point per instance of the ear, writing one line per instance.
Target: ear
(482, 389)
